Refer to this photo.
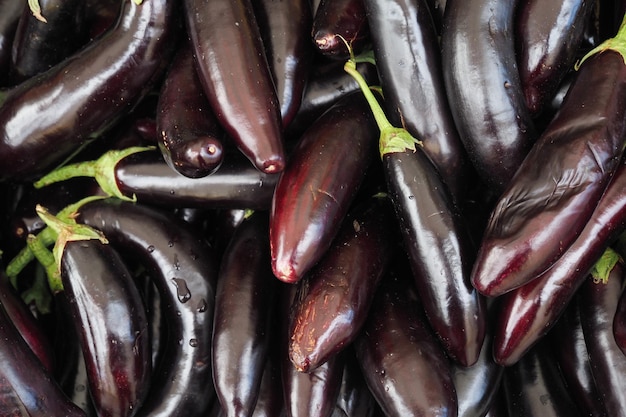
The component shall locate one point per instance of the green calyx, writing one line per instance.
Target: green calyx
(101, 169)
(616, 43)
(603, 267)
(35, 9)
(392, 139)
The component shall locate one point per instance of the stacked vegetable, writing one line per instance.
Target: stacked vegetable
(333, 208)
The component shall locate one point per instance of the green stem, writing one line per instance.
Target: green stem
(39, 292)
(101, 169)
(603, 267)
(616, 43)
(46, 259)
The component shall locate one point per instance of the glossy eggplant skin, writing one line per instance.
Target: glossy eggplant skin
(483, 87)
(285, 29)
(28, 390)
(408, 59)
(235, 184)
(597, 303)
(572, 356)
(533, 386)
(314, 192)
(440, 249)
(38, 46)
(333, 300)
(355, 398)
(619, 323)
(244, 301)
(270, 402)
(237, 80)
(184, 270)
(10, 12)
(527, 313)
(112, 325)
(548, 35)
(557, 187)
(82, 96)
(402, 361)
(335, 18)
(188, 133)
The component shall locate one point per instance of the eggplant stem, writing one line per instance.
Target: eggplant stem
(616, 44)
(603, 267)
(46, 259)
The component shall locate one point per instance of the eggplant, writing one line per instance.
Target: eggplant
(408, 60)
(597, 303)
(320, 181)
(285, 29)
(245, 297)
(336, 21)
(401, 359)
(548, 35)
(184, 270)
(355, 398)
(47, 118)
(40, 45)
(112, 325)
(527, 313)
(188, 133)
(10, 12)
(236, 77)
(619, 323)
(332, 301)
(557, 187)
(483, 87)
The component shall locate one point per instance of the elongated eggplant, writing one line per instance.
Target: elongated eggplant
(48, 117)
(548, 35)
(572, 356)
(557, 187)
(533, 387)
(527, 313)
(28, 390)
(184, 271)
(285, 29)
(112, 325)
(402, 361)
(619, 323)
(234, 71)
(597, 303)
(483, 86)
(189, 135)
(321, 179)
(244, 301)
(334, 298)
(40, 45)
(336, 19)
(10, 12)
(408, 59)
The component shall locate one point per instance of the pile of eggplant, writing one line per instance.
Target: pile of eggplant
(312, 208)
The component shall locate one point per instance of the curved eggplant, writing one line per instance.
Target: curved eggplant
(332, 301)
(321, 179)
(184, 271)
(244, 301)
(237, 81)
(48, 117)
(483, 87)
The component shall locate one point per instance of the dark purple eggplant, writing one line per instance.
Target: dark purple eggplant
(572, 356)
(320, 181)
(50, 116)
(333, 299)
(483, 87)
(10, 12)
(619, 323)
(270, 402)
(527, 313)
(184, 270)
(112, 325)
(597, 303)
(312, 394)
(534, 387)
(39, 45)
(548, 35)
(402, 361)
(557, 187)
(237, 80)
(189, 135)
(244, 302)
(337, 19)
(355, 398)
(28, 390)
(408, 60)
(285, 28)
